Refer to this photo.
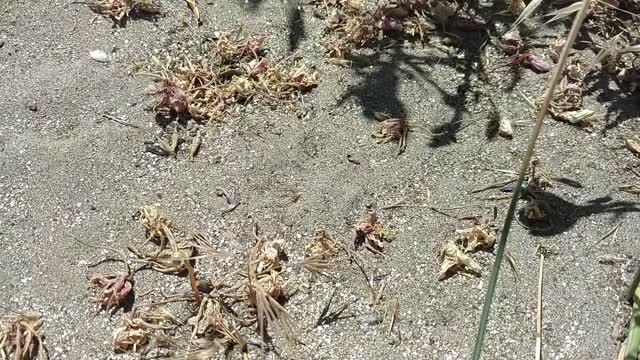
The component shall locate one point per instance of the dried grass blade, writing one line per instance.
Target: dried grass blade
(526, 13)
(564, 12)
(486, 309)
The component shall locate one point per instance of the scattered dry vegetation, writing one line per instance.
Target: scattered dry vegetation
(121, 10)
(237, 70)
(21, 337)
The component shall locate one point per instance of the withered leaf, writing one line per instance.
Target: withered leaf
(454, 260)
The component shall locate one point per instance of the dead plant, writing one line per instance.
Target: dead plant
(21, 336)
(370, 233)
(144, 329)
(393, 129)
(121, 10)
(453, 260)
(481, 236)
(236, 71)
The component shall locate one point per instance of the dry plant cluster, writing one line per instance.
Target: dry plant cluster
(237, 70)
(225, 310)
(351, 26)
(21, 337)
(454, 255)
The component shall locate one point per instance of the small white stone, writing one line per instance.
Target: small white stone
(99, 56)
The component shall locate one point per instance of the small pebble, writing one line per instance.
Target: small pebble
(99, 56)
(370, 319)
(32, 106)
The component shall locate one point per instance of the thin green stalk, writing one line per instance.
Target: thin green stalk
(634, 285)
(633, 345)
(493, 279)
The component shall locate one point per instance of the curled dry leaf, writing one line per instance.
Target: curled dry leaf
(453, 260)
(21, 337)
(370, 233)
(143, 330)
(112, 290)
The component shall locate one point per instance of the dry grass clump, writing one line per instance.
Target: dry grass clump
(235, 71)
(121, 10)
(21, 337)
(321, 251)
(350, 26)
(144, 329)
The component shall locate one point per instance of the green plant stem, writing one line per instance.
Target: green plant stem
(493, 279)
(634, 285)
(633, 345)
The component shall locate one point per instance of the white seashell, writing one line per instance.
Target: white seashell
(99, 56)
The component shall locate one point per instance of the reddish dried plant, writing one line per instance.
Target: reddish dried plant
(173, 97)
(112, 290)
(370, 233)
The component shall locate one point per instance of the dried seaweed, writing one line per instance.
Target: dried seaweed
(21, 336)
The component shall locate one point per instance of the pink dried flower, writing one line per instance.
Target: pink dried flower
(391, 24)
(532, 61)
(112, 290)
(173, 97)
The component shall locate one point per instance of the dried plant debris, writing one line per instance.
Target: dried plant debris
(113, 290)
(453, 260)
(481, 236)
(351, 27)
(213, 321)
(21, 337)
(233, 71)
(631, 189)
(320, 252)
(633, 144)
(392, 129)
(370, 233)
(144, 329)
(499, 125)
(121, 10)
(167, 249)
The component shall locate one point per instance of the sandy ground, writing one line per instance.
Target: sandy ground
(67, 172)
